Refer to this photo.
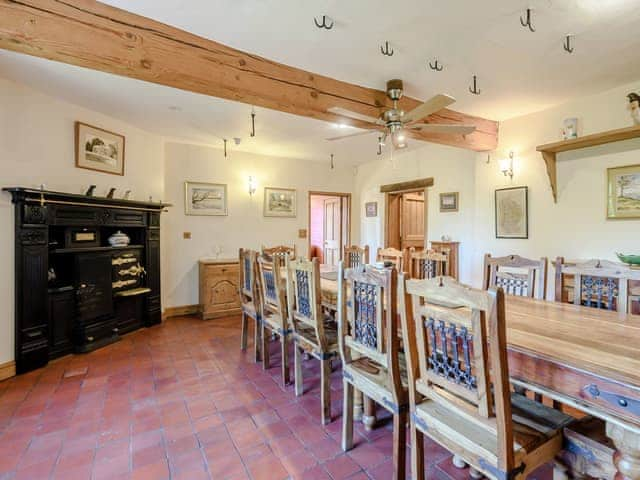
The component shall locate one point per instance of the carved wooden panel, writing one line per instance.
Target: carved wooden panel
(219, 289)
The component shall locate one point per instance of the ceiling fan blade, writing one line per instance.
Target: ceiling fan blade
(442, 128)
(357, 134)
(434, 104)
(343, 112)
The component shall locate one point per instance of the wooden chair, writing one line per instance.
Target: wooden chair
(369, 347)
(311, 333)
(281, 252)
(427, 263)
(594, 283)
(355, 256)
(250, 299)
(274, 312)
(516, 275)
(450, 343)
(393, 255)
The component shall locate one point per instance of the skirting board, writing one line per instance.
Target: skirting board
(7, 370)
(180, 311)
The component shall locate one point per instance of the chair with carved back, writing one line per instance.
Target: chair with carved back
(250, 299)
(392, 255)
(311, 333)
(280, 252)
(355, 256)
(274, 311)
(452, 334)
(516, 275)
(427, 263)
(594, 283)
(369, 341)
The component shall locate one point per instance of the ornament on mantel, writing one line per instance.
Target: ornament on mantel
(634, 106)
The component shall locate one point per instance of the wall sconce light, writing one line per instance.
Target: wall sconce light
(252, 186)
(506, 166)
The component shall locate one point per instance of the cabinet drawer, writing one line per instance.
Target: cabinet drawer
(219, 289)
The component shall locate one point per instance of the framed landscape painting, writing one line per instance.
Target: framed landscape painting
(99, 150)
(512, 213)
(449, 202)
(623, 195)
(279, 202)
(205, 198)
(371, 209)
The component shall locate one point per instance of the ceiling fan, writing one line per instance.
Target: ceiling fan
(396, 123)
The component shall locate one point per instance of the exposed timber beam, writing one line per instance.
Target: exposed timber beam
(93, 35)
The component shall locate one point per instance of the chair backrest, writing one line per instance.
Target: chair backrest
(355, 256)
(248, 284)
(367, 318)
(303, 298)
(393, 255)
(272, 289)
(516, 275)
(593, 283)
(280, 252)
(427, 263)
(447, 327)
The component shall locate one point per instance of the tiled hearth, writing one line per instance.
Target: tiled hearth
(181, 401)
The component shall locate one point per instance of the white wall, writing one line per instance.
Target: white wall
(37, 146)
(245, 226)
(576, 227)
(452, 170)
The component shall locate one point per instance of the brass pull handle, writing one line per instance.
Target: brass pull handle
(90, 339)
(34, 334)
(115, 330)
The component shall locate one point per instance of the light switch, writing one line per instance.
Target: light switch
(186, 235)
(302, 233)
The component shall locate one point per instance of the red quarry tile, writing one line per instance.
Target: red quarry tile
(153, 471)
(341, 467)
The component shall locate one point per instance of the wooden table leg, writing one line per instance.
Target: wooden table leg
(369, 417)
(627, 456)
(357, 405)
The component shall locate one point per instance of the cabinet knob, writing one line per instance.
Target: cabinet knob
(90, 339)
(115, 330)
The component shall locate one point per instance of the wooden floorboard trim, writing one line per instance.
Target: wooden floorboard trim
(180, 311)
(7, 370)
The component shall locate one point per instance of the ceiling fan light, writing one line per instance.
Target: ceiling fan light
(399, 139)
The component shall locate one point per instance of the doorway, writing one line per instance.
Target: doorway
(329, 226)
(405, 220)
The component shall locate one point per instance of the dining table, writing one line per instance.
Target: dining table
(583, 357)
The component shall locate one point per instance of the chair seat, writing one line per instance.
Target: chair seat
(250, 309)
(274, 322)
(307, 336)
(375, 380)
(536, 427)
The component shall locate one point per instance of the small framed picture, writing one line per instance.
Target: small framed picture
(623, 192)
(449, 202)
(280, 202)
(99, 150)
(205, 198)
(512, 212)
(371, 209)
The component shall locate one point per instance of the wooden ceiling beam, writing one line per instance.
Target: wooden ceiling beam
(90, 34)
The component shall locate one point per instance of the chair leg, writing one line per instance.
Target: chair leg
(357, 405)
(400, 445)
(265, 347)
(369, 417)
(243, 335)
(297, 367)
(417, 452)
(284, 347)
(257, 338)
(325, 389)
(347, 416)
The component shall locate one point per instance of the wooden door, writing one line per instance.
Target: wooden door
(412, 221)
(332, 231)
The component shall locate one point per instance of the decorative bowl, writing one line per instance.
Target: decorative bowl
(119, 239)
(629, 259)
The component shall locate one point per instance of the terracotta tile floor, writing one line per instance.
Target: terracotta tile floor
(181, 401)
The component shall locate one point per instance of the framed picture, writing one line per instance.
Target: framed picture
(623, 192)
(205, 198)
(449, 202)
(99, 150)
(279, 202)
(371, 209)
(512, 212)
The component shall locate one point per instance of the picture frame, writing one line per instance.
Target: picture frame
(99, 150)
(449, 202)
(623, 192)
(371, 209)
(280, 202)
(206, 199)
(512, 213)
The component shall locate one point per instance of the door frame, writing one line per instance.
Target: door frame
(310, 193)
(387, 195)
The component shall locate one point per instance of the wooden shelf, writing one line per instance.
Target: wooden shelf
(550, 150)
(95, 249)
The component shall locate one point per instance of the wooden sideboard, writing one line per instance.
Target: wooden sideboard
(219, 287)
(452, 251)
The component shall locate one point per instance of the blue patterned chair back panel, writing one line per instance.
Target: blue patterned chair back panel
(516, 275)
(303, 293)
(366, 328)
(513, 283)
(599, 292)
(248, 273)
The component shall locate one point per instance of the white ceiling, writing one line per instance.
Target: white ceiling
(518, 71)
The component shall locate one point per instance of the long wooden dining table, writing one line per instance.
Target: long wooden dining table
(583, 357)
